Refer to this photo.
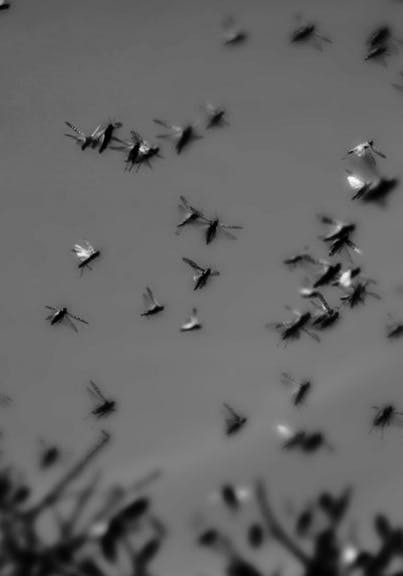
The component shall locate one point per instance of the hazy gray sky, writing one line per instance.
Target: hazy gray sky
(293, 113)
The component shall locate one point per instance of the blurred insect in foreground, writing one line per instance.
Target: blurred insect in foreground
(86, 254)
(233, 34)
(381, 43)
(394, 328)
(307, 442)
(4, 5)
(301, 389)
(359, 293)
(192, 323)
(49, 455)
(60, 315)
(183, 136)
(308, 33)
(385, 416)
(104, 405)
(202, 275)
(291, 329)
(152, 306)
(216, 116)
(234, 421)
(139, 151)
(85, 140)
(232, 496)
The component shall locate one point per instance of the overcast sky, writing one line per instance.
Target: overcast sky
(293, 113)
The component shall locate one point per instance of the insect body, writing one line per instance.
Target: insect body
(151, 303)
(60, 315)
(234, 421)
(86, 254)
(202, 275)
(183, 136)
(104, 406)
(192, 323)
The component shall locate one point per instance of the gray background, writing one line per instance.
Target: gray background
(293, 114)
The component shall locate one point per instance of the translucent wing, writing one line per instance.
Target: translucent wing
(77, 318)
(99, 131)
(70, 323)
(75, 129)
(95, 391)
(193, 264)
(83, 252)
(230, 412)
(150, 296)
(287, 379)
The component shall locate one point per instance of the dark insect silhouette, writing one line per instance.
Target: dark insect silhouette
(307, 442)
(291, 329)
(4, 5)
(234, 421)
(394, 328)
(49, 455)
(86, 254)
(339, 235)
(216, 116)
(385, 416)
(85, 140)
(139, 151)
(233, 34)
(325, 316)
(308, 33)
(104, 406)
(328, 274)
(358, 293)
(106, 135)
(62, 315)
(301, 389)
(182, 136)
(300, 259)
(152, 306)
(215, 226)
(202, 275)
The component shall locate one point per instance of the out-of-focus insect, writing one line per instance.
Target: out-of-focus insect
(233, 34)
(107, 133)
(307, 442)
(182, 136)
(4, 5)
(300, 259)
(203, 274)
(378, 54)
(5, 400)
(301, 389)
(62, 315)
(234, 421)
(338, 228)
(104, 406)
(385, 416)
(86, 254)
(346, 277)
(192, 323)
(152, 306)
(231, 496)
(216, 116)
(139, 151)
(308, 33)
(291, 329)
(329, 273)
(214, 226)
(359, 186)
(85, 140)
(381, 43)
(358, 293)
(49, 455)
(191, 215)
(365, 151)
(394, 328)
